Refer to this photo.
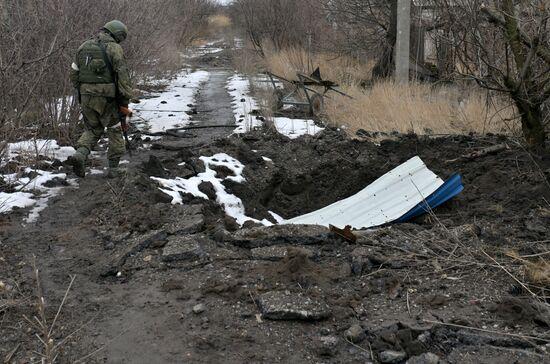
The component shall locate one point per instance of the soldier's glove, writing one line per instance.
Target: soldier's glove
(125, 111)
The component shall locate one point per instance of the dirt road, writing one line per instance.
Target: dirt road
(162, 283)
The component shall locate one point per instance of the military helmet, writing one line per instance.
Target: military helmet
(117, 29)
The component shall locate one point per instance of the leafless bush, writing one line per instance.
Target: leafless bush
(38, 39)
(504, 46)
(282, 23)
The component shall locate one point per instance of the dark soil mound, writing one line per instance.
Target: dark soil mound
(310, 173)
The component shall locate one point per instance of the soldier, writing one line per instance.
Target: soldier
(102, 80)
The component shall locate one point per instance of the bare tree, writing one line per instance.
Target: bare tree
(504, 45)
(38, 40)
(281, 23)
(367, 26)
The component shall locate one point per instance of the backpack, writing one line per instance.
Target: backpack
(94, 64)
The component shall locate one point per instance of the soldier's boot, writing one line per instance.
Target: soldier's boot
(78, 162)
(114, 169)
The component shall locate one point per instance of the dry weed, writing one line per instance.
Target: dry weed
(420, 109)
(537, 273)
(388, 107)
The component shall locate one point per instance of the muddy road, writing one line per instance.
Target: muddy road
(161, 283)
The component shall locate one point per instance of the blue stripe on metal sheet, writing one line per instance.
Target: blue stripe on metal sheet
(450, 189)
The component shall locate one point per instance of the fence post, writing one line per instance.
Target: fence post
(402, 47)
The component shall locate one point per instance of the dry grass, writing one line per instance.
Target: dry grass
(388, 107)
(537, 270)
(420, 109)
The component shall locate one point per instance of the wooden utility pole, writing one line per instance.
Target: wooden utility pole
(403, 46)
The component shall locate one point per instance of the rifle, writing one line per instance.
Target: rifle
(123, 114)
(123, 111)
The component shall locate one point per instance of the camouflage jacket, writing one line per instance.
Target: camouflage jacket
(122, 89)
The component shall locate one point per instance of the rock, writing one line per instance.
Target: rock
(182, 248)
(355, 334)
(326, 345)
(281, 235)
(153, 167)
(208, 189)
(134, 247)
(275, 253)
(189, 221)
(391, 357)
(424, 338)
(198, 309)
(360, 261)
(219, 235)
(282, 306)
(345, 270)
(516, 310)
(435, 300)
(186, 172)
(56, 182)
(251, 225)
(231, 223)
(161, 197)
(223, 172)
(427, 358)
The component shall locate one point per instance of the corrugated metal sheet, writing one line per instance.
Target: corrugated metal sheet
(452, 188)
(385, 200)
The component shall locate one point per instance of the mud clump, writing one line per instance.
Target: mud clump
(297, 267)
(153, 167)
(517, 310)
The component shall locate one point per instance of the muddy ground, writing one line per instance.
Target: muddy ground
(162, 283)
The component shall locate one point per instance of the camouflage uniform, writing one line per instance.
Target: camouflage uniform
(101, 93)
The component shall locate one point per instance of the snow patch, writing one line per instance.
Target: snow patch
(232, 205)
(239, 88)
(243, 104)
(9, 201)
(39, 147)
(32, 191)
(167, 110)
(294, 128)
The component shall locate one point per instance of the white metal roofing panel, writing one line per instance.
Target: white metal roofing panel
(385, 200)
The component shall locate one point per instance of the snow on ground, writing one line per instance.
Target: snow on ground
(9, 201)
(243, 104)
(32, 187)
(232, 205)
(167, 110)
(40, 147)
(239, 88)
(203, 50)
(294, 128)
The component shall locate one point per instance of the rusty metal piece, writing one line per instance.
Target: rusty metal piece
(345, 233)
(303, 88)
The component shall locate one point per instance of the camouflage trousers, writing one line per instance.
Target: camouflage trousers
(101, 117)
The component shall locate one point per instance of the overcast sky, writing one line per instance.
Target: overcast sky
(224, 2)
